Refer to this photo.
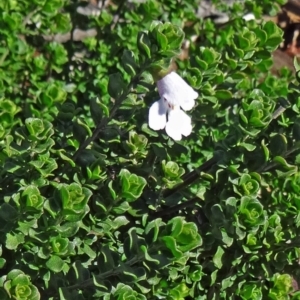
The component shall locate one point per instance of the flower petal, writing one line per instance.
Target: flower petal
(248, 17)
(179, 123)
(187, 104)
(157, 115)
(176, 91)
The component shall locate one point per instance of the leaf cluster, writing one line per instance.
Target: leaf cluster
(96, 205)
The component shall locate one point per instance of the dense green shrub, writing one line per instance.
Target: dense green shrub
(96, 205)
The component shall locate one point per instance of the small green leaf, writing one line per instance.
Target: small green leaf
(210, 56)
(217, 259)
(223, 94)
(2, 262)
(35, 126)
(132, 185)
(248, 147)
(251, 291)
(13, 241)
(278, 145)
(128, 62)
(79, 131)
(201, 63)
(96, 111)
(55, 264)
(116, 85)
(172, 170)
(170, 243)
(251, 210)
(144, 44)
(8, 212)
(162, 40)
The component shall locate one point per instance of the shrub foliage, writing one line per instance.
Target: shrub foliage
(96, 205)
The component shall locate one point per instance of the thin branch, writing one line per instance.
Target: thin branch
(278, 112)
(272, 165)
(113, 272)
(175, 208)
(104, 122)
(194, 175)
(190, 177)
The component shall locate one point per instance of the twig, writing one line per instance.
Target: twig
(175, 208)
(104, 122)
(278, 112)
(271, 165)
(195, 174)
(190, 177)
(112, 272)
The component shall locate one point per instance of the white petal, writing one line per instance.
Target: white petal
(176, 91)
(179, 123)
(249, 17)
(157, 115)
(187, 104)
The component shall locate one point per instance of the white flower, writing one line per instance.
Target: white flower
(249, 17)
(174, 93)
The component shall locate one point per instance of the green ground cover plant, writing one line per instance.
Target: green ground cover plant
(96, 205)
